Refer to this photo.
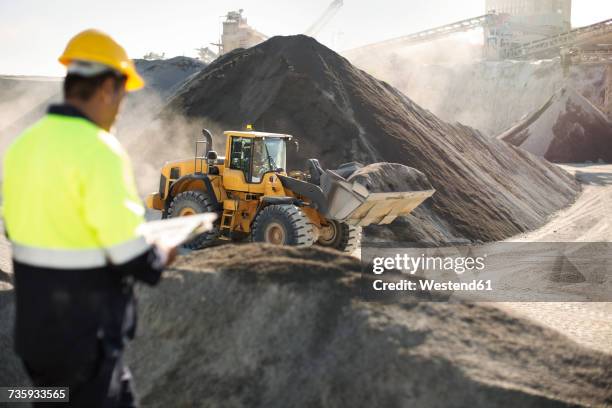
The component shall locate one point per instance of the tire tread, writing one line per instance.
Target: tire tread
(303, 228)
(208, 238)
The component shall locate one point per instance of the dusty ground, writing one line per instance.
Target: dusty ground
(588, 220)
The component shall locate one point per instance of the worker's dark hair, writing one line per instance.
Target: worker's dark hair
(78, 86)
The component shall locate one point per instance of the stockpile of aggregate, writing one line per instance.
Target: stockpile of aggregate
(162, 78)
(390, 177)
(486, 190)
(266, 326)
(490, 96)
(568, 128)
(167, 75)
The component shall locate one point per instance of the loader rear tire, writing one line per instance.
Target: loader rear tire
(191, 203)
(340, 236)
(283, 224)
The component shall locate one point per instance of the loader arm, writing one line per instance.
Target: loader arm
(308, 190)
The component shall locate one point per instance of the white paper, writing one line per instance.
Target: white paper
(173, 232)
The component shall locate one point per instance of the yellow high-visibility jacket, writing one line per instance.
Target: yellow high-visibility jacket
(69, 197)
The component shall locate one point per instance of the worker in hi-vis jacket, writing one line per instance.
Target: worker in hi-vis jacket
(71, 211)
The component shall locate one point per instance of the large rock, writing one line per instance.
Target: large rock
(568, 128)
(486, 190)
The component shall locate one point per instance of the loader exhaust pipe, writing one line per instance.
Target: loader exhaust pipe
(207, 142)
(208, 139)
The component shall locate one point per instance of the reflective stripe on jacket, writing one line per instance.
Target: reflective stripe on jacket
(70, 199)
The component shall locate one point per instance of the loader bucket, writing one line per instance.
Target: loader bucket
(354, 204)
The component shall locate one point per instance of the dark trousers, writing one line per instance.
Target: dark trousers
(106, 383)
(71, 329)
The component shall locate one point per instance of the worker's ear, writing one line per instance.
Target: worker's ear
(107, 89)
(111, 92)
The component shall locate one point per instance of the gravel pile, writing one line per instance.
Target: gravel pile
(486, 190)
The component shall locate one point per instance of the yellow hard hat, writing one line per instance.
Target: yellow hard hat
(96, 46)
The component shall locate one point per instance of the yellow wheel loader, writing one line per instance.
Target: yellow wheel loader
(256, 199)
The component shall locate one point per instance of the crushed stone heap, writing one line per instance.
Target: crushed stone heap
(389, 178)
(486, 190)
(264, 326)
(167, 75)
(568, 128)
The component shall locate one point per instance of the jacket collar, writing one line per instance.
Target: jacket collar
(67, 110)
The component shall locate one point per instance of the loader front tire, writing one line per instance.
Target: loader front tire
(191, 203)
(340, 236)
(283, 224)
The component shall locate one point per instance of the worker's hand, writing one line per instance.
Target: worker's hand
(167, 255)
(172, 252)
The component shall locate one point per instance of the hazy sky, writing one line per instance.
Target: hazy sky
(34, 32)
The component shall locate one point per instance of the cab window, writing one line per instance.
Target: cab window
(175, 173)
(269, 154)
(240, 158)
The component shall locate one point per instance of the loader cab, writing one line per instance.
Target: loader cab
(250, 156)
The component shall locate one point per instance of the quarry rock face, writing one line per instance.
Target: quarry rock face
(566, 129)
(486, 190)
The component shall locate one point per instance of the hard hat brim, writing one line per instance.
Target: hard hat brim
(134, 81)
